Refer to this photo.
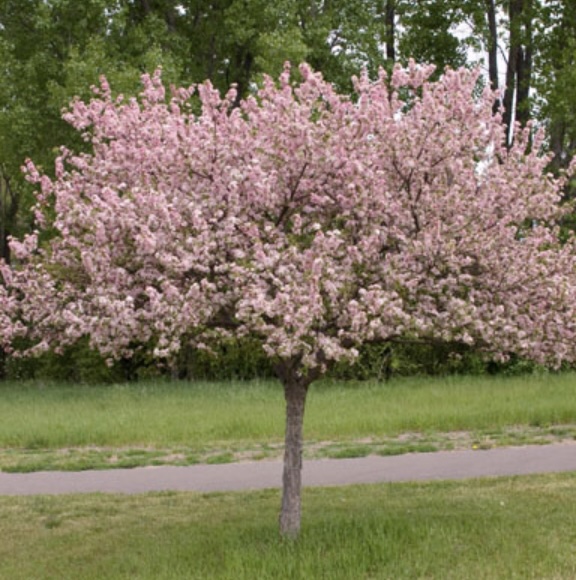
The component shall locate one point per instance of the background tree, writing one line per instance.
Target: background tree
(73, 43)
(227, 42)
(555, 81)
(430, 33)
(304, 220)
(519, 67)
(237, 41)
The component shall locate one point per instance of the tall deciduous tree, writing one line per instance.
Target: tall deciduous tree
(520, 62)
(429, 32)
(443, 31)
(555, 81)
(51, 51)
(308, 220)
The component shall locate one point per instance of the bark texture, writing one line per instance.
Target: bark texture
(519, 70)
(390, 30)
(295, 391)
(9, 207)
(492, 50)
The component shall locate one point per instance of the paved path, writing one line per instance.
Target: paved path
(321, 472)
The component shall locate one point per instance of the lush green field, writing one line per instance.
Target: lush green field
(483, 529)
(68, 427)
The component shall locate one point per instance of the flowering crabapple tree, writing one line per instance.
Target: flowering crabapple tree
(310, 220)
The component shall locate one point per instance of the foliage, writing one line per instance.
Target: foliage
(243, 359)
(556, 79)
(309, 221)
(313, 238)
(429, 32)
(237, 41)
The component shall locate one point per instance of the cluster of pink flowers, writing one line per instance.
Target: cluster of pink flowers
(306, 218)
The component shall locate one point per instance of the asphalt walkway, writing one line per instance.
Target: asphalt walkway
(322, 472)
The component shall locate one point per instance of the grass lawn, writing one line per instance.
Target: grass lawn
(520, 527)
(80, 427)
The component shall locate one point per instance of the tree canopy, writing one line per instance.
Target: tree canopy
(54, 50)
(309, 220)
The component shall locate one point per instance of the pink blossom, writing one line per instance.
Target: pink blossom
(304, 218)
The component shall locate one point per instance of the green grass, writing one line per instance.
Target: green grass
(78, 427)
(505, 528)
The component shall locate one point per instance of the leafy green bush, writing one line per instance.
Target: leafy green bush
(243, 359)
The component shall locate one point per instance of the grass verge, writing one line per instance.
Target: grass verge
(519, 527)
(14, 460)
(72, 428)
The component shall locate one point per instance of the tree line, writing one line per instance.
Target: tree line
(54, 50)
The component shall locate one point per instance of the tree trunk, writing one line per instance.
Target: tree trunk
(524, 74)
(492, 44)
(511, 69)
(390, 30)
(493, 50)
(295, 383)
(145, 5)
(243, 75)
(9, 205)
(519, 70)
(290, 516)
(2, 365)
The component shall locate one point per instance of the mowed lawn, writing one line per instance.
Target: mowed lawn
(79, 427)
(488, 529)
(492, 528)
